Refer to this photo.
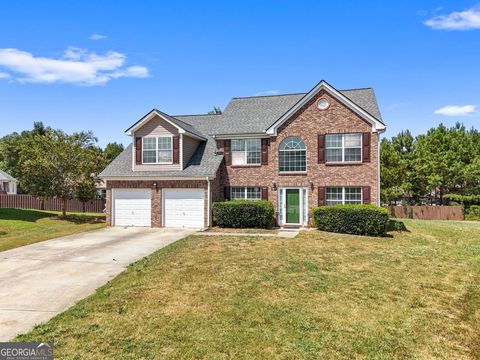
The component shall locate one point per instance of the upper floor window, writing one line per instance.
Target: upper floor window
(344, 147)
(246, 151)
(157, 150)
(293, 155)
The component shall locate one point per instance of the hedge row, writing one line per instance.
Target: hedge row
(465, 200)
(352, 219)
(243, 214)
(472, 213)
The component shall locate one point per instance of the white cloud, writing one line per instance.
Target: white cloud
(97, 37)
(268, 92)
(76, 66)
(4, 75)
(459, 20)
(455, 110)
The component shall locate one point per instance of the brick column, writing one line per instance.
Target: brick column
(156, 207)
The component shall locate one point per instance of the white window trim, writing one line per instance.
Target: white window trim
(246, 153)
(343, 194)
(306, 157)
(245, 192)
(156, 150)
(343, 149)
(283, 210)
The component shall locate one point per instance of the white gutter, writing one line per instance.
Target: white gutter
(153, 177)
(241, 136)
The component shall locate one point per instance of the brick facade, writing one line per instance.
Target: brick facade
(156, 194)
(307, 124)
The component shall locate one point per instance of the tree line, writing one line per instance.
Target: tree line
(431, 168)
(50, 163)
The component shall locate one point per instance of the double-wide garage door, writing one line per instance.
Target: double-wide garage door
(181, 207)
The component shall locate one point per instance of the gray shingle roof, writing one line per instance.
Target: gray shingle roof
(6, 176)
(255, 114)
(242, 115)
(187, 127)
(203, 163)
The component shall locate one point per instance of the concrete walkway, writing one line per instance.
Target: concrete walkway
(281, 234)
(41, 280)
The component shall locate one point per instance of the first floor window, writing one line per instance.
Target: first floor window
(344, 147)
(343, 195)
(157, 150)
(246, 151)
(246, 193)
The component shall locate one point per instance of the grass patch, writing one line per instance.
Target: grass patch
(243, 231)
(317, 296)
(23, 227)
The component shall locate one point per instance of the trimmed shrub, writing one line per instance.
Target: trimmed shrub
(472, 213)
(244, 214)
(396, 225)
(352, 219)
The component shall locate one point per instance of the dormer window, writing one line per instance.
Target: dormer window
(157, 150)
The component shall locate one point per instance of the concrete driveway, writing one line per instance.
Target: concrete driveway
(41, 280)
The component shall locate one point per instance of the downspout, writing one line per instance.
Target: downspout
(378, 169)
(208, 201)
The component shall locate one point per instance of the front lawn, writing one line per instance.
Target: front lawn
(242, 230)
(317, 296)
(23, 227)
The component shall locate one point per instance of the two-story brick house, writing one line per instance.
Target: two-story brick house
(296, 150)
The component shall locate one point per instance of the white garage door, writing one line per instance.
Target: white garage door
(132, 207)
(183, 208)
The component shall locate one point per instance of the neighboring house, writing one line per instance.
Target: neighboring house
(297, 150)
(101, 190)
(8, 184)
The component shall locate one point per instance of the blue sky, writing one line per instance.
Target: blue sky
(100, 65)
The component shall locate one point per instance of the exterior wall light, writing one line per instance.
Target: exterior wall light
(274, 186)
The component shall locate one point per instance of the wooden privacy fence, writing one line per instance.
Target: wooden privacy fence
(55, 204)
(426, 212)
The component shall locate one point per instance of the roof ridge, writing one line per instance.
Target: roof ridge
(362, 88)
(260, 96)
(196, 115)
(299, 93)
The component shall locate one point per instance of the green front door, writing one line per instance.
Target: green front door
(293, 206)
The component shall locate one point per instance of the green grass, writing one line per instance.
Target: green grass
(242, 230)
(317, 296)
(23, 227)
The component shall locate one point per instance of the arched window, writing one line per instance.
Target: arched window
(293, 155)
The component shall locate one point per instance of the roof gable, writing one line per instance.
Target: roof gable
(183, 127)
(377, 124)
(6, 177)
